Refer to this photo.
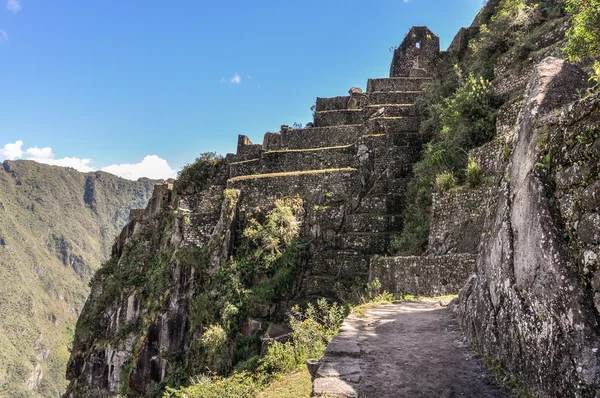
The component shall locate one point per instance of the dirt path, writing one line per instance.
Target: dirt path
(412, 349)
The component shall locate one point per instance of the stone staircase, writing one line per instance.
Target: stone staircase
(360, 149)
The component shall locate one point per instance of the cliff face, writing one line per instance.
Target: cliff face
(530, 306)
(199, 277)
(56, 228)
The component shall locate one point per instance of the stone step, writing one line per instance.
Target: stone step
(382, 203)
(392, 97)
(262, 190)
(397, 84)
(390, 110)
(393, 185)
(369, 115)
(372, 222)
(321, 137)
(339, 263)
(363, 242)
(339, 117)
(395, 138)
(287, 160)
(395, 97)
(333, 103)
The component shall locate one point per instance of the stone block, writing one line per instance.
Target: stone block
(339, 263)
(321, 137)
(396, 97)
(397, 84)
(332, 104)
(339, 117)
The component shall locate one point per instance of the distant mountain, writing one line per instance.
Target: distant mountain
(56, 227)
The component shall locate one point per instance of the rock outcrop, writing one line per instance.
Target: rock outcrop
(529, 307)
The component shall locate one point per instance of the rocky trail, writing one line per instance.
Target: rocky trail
(411, 349)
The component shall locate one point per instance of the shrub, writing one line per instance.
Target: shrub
(198, 175)
(474, 173)
(444, 182)
(312, 330)
(457, 122)
(216, 343)
(280, 227)
(583, 35)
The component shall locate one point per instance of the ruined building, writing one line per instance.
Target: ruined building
(529, 300)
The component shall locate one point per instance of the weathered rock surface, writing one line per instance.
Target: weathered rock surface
(528, 307)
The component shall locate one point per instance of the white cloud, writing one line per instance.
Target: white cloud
(13, 5)
(3, 37)
(12, 151)
(40, 153)
(152, 166)
(235, 79)
(76, 163)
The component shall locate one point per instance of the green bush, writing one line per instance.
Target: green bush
(312, 330)
(216, 343)
(280, 227)
(457, 121)
(198, 175)
(583, 35)
(474, 173)
(444, 182)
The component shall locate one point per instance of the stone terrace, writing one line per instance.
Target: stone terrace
(351, 168)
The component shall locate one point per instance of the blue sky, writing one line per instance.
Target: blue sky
(111, 82)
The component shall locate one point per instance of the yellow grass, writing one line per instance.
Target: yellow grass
(246, 161)
(308, 149)
(296, 385)
(289, 173)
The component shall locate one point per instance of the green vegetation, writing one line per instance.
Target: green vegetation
(459, 114)
(57, 225)
(584, 35)
(474, 173)
(312, 330)
(281, 371)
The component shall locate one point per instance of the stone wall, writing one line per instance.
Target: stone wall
(419, 50)
(423, 276)
(457, 219)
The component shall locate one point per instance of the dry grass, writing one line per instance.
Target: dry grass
(342, 110)
(245, 161)
(289, 173)
(297, 384)
(309, 149)
(390, 105)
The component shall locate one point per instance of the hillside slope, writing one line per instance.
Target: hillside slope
(56, 227)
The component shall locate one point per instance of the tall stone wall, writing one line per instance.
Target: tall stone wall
(457, 219)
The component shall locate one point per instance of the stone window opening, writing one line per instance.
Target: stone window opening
(418, 45)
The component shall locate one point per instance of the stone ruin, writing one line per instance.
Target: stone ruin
(417, 55)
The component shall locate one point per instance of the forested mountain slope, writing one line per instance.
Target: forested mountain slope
(56, 227)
